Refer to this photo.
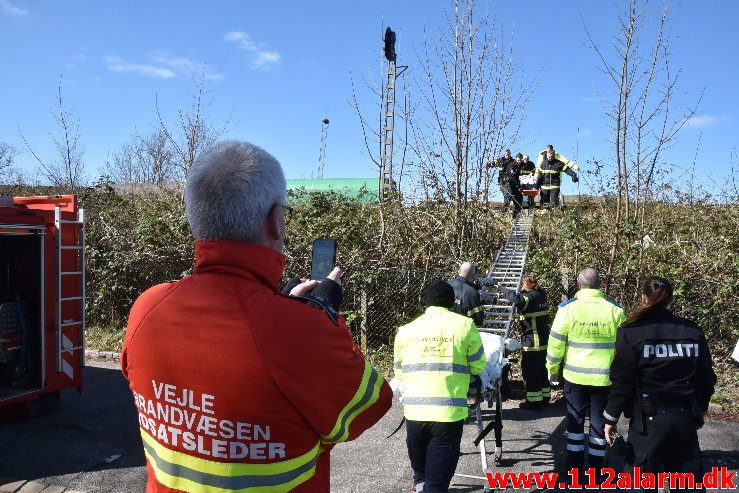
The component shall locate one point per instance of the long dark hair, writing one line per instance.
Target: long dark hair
(657, 292)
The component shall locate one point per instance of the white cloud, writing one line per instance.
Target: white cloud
(185, 66)
(121, 66)
(10, 9)
(705, 121)
(260, 58)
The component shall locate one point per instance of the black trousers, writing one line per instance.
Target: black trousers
(670, 443)
(584, 400)
(434, 452)
(511, 194)
(549, 197)
(535, 378)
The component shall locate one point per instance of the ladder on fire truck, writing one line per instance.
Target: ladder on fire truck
(507, 270)
(70, 289)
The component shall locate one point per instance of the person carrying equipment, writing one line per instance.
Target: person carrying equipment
(664, 373)
(434, 357)
(582, 342)
(510, 185)
(466, 293)
(548, 175)
(533, 310)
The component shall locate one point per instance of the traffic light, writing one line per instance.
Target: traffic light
(390, 45)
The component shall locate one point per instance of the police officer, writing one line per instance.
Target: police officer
(434, 357)
(466, 296)
(663, 371)
(548, 176)
(533, 309)
(582, 342)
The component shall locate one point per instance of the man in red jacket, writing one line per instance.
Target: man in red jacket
(238, 387)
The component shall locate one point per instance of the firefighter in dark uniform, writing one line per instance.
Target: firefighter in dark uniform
(663, 372)
(533, 309)
(527, 168)
(466, 296)
(510, 186)
(548, 177)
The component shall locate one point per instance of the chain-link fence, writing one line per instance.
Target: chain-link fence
(376, 302)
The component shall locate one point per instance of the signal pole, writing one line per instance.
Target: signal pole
(322, 152)
(387, 184)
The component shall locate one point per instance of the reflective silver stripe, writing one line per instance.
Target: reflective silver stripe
(553, 360)
(478, 309)
(435, 401)
(609, 417)
(592, 345)
(597, 441)
(596, 452)
(368, 391)
(575, 436)
(451, 367)
(535, 314)
(226, 482)
(396, 365)
(479, 354)
(575, 448)
(579, 369)
(558, 336)
(534, 348)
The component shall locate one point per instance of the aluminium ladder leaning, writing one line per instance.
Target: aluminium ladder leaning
(507, 269)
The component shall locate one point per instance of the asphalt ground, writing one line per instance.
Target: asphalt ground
(92, 444)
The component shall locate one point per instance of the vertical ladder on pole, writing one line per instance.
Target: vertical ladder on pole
(70, 291)
(387, 134)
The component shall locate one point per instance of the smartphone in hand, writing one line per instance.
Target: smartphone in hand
(323, 258)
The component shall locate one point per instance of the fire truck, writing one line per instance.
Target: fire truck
(42, 299)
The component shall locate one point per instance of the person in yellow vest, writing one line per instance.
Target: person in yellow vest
(435, 355)
(581, 343)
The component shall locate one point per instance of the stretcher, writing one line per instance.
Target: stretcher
(507, 271)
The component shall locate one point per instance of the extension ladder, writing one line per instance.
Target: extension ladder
(507, 270)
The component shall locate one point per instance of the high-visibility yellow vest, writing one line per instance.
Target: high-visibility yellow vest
(583, 338)
(434, 358)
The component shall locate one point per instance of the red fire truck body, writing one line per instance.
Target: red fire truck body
(42, 297)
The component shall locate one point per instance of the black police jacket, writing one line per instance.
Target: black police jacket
(533, 310)
(664, 356)
(467, 300)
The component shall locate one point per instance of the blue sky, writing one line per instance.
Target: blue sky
(279, 67)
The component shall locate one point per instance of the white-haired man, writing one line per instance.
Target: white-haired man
(581, 343)
(466, 296)
(239, 387)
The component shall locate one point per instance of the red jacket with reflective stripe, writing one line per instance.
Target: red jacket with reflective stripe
(225, 370)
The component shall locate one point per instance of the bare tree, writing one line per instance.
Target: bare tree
(7, 156)
(642, 112)
(192, 132)
(11, 178)
(472, 105)
(66, 168)
(143, 160)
